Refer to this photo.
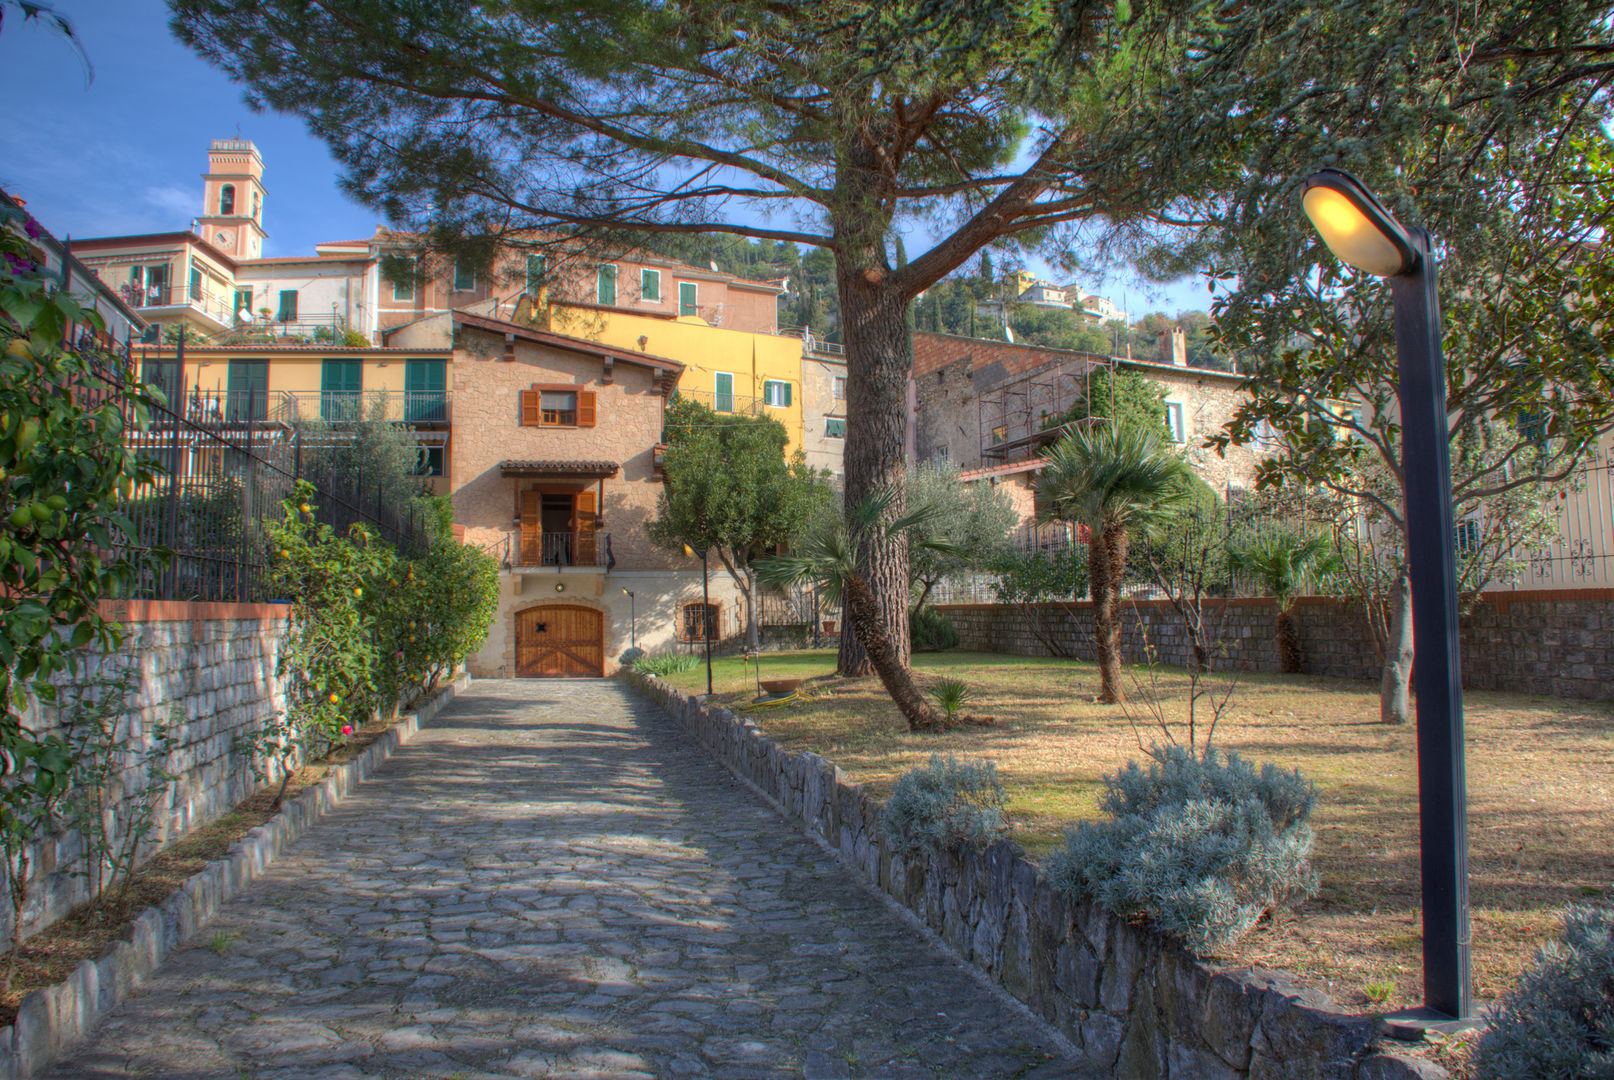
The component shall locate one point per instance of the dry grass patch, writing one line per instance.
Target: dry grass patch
(1540, 805)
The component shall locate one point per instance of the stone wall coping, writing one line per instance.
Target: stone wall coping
(149, 611)
(1134, 1004)
(1502, 598)
(52, 1020)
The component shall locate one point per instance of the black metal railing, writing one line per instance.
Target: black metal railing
(224, 470)
(564, 549)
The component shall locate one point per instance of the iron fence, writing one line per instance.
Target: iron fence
(224, 469)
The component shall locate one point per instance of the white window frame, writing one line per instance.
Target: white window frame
(408, 298)
(645, 275)
(840, 387)
(769, 396)
(1177, 421)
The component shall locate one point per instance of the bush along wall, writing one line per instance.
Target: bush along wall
(1136, 1006)
(370, 630)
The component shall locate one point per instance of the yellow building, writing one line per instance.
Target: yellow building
(289, 384)
(729, 370)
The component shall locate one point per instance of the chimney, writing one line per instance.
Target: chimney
(1174, 347)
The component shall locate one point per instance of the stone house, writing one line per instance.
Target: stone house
(982, 405)
(554, 469)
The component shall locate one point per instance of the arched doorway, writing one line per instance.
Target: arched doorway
(560, 641)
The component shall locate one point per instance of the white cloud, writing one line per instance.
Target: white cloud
(180, 203)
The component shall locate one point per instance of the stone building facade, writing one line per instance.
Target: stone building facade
(555, 470)
(981, 404)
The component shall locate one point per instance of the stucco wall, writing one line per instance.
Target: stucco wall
(818, 377)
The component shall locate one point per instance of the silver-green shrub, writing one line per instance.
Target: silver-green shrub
(1559, 1019)
(665, 664)
(1200, 847)
(944, 805)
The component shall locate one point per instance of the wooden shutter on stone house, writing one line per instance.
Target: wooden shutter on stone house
(530, 416)
(587, 524)
(532, 534)
(585, 410)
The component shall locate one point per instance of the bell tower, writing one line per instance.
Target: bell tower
(232, 199)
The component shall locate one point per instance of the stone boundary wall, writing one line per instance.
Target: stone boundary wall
(1558, 643)
(209, 671)
(1135, 1006)
(50, 1022)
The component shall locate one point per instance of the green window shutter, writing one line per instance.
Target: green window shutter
(607, 287)
(248, 390)
(650, 284)
(288, 305)
(776, 392)
(340, 382)
(687, 297)
(723, 399)
(535, 275)
(834, 427)
(425, 390)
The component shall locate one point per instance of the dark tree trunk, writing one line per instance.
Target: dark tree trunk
(1395, 687)
(878, 359)
(1291, 657)
(894, 675)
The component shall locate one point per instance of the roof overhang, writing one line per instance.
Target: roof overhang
(560, 470)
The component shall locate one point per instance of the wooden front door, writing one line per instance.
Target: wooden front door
(560, 642)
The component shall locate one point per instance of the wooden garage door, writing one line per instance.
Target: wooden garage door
(560, 642)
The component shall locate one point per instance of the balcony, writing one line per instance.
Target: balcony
(425, 407)
(195, 298)
(726, 403)
(563, 551)
(813, 344)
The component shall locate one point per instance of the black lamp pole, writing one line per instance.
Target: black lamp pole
(1432, 562)
(1364, 234)
(633, 620)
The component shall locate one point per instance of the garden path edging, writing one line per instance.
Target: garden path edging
(53, 1019)
(1133, 1004)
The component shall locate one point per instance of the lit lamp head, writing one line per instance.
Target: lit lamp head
(1356, 226)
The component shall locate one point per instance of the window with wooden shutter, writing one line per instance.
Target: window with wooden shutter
(586, 523)
(529, 408)
(532, 533)
(585, 408)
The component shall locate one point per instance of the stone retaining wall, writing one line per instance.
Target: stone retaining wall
(1552, 642)
(213, 679)
(52, 1021)
(1135, 1006)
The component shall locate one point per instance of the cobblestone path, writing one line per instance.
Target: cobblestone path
(547, 882)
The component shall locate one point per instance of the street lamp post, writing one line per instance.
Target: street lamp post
(706, 619)
(1363, 233)
(633, 619)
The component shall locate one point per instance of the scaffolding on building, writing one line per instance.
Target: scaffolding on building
(1020, 416)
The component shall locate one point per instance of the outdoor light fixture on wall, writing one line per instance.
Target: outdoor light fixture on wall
(560, 586)
(1365, 235)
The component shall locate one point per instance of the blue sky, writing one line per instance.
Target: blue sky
(125, 153)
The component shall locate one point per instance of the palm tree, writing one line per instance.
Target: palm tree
(1111, 479)
(1284, 562)
(827, 556)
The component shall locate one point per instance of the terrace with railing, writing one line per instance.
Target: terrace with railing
(562, 550)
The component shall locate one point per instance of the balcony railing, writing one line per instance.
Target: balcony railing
(192, 296)
(813, 343)
(352, 406)
(726, 403)
(563, 549)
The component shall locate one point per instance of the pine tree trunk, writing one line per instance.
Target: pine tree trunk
(1395, 688)
(878, 359)
(895, 676)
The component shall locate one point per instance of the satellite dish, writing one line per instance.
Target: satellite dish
(244, 315)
